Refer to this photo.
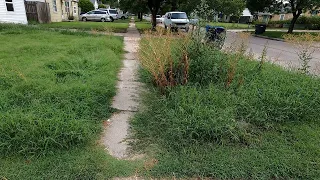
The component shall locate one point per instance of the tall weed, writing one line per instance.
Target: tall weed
(305, 44)
(165, 57)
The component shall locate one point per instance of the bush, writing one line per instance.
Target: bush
(86, 5)
(101, 6)
(310, 22)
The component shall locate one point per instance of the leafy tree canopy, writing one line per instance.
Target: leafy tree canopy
(85, 5)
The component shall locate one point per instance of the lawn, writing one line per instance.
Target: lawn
(232, 25)
(235, 118)
(118, 26)
(279, 35)
(143, 25)
(55, 91)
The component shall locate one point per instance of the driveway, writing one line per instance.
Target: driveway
(282, 53)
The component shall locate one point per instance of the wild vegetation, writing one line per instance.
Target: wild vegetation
(232, 117)
(55, 92)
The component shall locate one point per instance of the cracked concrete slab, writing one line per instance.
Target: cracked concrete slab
(116, 133)
(127, 98)
(129, 72)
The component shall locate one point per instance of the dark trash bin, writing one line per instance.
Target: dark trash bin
(214, 32)
(215, 35)
(260, 28)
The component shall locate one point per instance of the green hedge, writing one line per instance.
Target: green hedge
(301, 20)
(309, 22)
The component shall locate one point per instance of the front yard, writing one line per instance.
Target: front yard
(118, 26)
(55, 93)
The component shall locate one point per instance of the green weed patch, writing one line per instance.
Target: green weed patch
(55, 89)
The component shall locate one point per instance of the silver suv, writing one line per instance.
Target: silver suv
(112, 12)
(95, 16)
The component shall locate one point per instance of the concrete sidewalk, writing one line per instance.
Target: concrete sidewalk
(126, 100)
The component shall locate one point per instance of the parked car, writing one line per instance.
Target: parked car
(112, 12)
(147, 17)
(159, 19)
(176, 20)
(95, 16)
(123, 15)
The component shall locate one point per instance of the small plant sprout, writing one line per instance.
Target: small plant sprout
(263, 57)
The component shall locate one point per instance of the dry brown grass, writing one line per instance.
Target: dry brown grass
(164, 55)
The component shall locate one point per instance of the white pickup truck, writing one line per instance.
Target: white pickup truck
(176, 20)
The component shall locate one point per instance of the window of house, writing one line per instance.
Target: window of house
(282, 17)
(9, 5)
(74, 9)
(54, 3)
(67, 6)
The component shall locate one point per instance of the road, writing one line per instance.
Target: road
(279, 52)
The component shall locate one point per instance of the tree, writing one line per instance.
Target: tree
(298, 6)
(259, 5)
(85, 5)
(134, 6)
(101, 6)
(228, 7)
(154, 6)
(113, 3)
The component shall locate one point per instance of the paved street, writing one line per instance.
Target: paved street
(282, 52)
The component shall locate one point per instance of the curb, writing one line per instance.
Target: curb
(265, 37)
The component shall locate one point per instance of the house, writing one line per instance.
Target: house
(264, 16)
(246, 16)
(13, 11)
(62, 10)
(287, 16)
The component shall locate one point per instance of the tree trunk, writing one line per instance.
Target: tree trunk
(296, 15)
(154, 19)
(292, 23)
(140, 16)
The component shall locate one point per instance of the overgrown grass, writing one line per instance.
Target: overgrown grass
(118, 26)
(280, 35)
(235, 119)
(232, 25)
(55, 91)
(143, 26)
(79, 163)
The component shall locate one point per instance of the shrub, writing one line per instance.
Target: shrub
(101, 6)
(310, 22)
(86, 5)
